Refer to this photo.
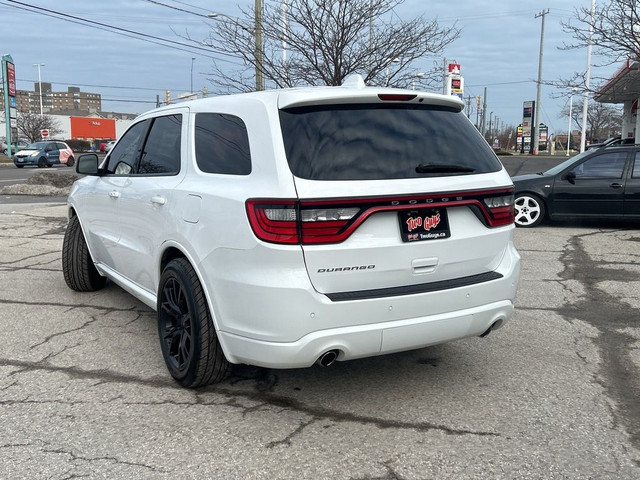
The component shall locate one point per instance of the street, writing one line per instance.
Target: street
(553, 394)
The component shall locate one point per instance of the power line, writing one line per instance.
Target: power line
(189, 5)
(176, 8)
(119, 30)
(149, 89)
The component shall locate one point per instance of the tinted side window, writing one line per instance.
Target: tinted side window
(382, 141)
(161, 153)
(607, 165)
(61, 146)
(123, 158)
(222, 144)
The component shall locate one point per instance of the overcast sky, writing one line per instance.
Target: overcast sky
(498, 48)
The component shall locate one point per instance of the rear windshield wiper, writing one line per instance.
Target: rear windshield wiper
(436, 168)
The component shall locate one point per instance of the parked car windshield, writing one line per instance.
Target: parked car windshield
(36, 146)
(570, 161)
(382, 141)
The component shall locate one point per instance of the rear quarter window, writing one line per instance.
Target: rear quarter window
(222, 144)
(381, 141)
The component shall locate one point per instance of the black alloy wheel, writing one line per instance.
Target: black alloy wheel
(188, 338)
(176, 326)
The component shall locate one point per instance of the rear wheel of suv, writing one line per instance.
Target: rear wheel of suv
(77, 265)
(188, 339)
(529, 210)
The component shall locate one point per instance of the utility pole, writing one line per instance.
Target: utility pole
(484, 112)
(536, 115)
(585, 105)
(258, 44)
(468, 106)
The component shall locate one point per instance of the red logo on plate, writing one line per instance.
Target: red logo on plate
(428, 223)
(431, 222)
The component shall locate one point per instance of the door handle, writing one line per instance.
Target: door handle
(158, 200)
(114, 194)
(616, 185)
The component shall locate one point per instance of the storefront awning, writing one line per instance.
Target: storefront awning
(624, 86)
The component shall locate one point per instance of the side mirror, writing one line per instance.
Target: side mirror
(87, 164)
(570, 177)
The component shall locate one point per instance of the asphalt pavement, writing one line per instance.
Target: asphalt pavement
(551, 395)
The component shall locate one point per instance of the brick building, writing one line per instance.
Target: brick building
(71, 102)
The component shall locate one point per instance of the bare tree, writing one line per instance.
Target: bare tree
(30, 126)
(327, 40)
(614, 32)
(603, 120)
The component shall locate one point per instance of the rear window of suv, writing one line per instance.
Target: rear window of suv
(382, 141)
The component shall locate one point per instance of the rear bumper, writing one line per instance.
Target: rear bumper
(289, 326)
(367, 340)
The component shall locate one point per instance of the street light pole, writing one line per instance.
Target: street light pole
(192, 59)
(39, 83)
(570, 113)
(585, 104)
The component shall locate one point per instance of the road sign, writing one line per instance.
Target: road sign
(44, 133)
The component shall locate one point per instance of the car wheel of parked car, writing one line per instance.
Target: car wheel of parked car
(529, 210)
(188, 339)
(42, 162)
(79, 271)
(70, 162)
(19, 166)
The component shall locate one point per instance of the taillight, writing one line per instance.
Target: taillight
(274, 222)
(501, 210)
(312, 222)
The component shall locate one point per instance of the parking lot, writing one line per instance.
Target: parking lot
(553, 394)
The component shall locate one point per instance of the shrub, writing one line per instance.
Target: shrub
(78, 145)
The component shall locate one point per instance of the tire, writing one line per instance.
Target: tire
(530, 210)
(188, 338)
(42, 162)
(79, 271)
(19, 166)
(70, 162)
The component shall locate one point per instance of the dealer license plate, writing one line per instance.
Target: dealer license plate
(423, 224)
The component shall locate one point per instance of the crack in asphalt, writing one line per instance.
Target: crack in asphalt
(64, 332)
(75, 457)
(78, 458)
(621, 377)
(76, 306)
(260, 394)
(287, 440)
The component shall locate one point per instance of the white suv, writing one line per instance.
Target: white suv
(288, 227)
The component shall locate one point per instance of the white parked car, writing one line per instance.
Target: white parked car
(288, 227)
(109, 145)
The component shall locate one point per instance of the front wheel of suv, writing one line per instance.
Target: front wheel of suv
(188, 338)
(79, 271)
(529, 210)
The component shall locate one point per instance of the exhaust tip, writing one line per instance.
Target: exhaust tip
(327, 358)
(494, 326)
